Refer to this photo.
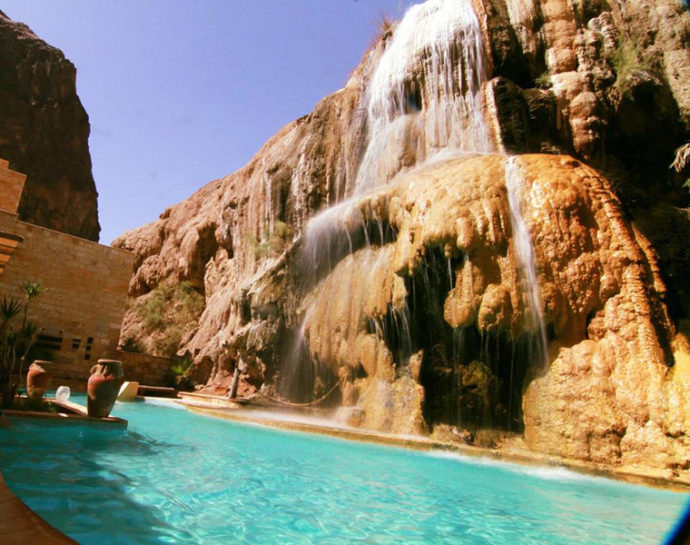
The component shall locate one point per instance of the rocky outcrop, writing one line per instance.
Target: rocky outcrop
(44, 133)
(367, 257)
(229, 233)
(606, 81)
(429, 324)
(597, 55)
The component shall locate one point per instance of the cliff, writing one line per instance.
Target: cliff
(44, 133)
(387, 243)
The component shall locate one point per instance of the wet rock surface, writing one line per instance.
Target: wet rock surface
(406, 302)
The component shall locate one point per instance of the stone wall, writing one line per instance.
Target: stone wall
(80, 312)
(144, 368)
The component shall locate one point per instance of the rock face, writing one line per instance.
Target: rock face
(44, 133)
(383, 254)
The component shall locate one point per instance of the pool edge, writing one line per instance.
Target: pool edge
(20, 525)
(521, 457)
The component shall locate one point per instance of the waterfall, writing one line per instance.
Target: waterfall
(422, 102)
(328, 239)
(425, 94)
(524, 255)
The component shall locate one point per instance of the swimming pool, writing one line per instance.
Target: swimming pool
(177, 477)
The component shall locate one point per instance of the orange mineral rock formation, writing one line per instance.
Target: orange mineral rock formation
(381, 253)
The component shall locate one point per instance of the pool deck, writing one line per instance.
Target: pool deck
(228, 410)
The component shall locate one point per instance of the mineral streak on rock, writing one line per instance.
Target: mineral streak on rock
(44, 133)
(408, 291)
(608, 373)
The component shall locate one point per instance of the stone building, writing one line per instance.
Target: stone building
(80, 312)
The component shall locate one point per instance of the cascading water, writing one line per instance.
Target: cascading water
(524, 254)
(426, 90)
(423, 101)
(425, 94)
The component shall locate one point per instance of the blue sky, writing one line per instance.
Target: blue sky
(182, 92)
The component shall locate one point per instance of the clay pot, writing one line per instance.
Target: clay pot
(37, 379)
(103, 386)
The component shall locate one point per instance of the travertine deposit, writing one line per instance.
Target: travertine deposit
(387, 244)
(44, 133)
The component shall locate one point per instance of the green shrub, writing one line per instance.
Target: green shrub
(543, 81)
(151, 310)
(628, 57)
(164, 315)
(188, 299)
(271, 244)
(181, 366)
(131, 344)
(167, 343)
(16, 339)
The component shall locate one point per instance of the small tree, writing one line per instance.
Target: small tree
(15, 341)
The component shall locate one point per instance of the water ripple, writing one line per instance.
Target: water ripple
(176, 477)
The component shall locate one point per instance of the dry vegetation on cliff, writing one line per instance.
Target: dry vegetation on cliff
(166, 314)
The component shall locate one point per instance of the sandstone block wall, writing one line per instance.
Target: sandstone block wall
(144, 368)
(79, 314)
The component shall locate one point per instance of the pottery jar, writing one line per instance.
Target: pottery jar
(37, 379)
(104, 384)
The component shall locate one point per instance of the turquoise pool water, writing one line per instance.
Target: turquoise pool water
(176, 477)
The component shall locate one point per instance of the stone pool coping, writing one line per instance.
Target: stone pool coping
(521, 456)
(76, 414)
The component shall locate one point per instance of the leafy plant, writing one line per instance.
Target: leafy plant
(178, 369)
(167, 343)
(32, 289)
(15, 340)
(181, 365)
